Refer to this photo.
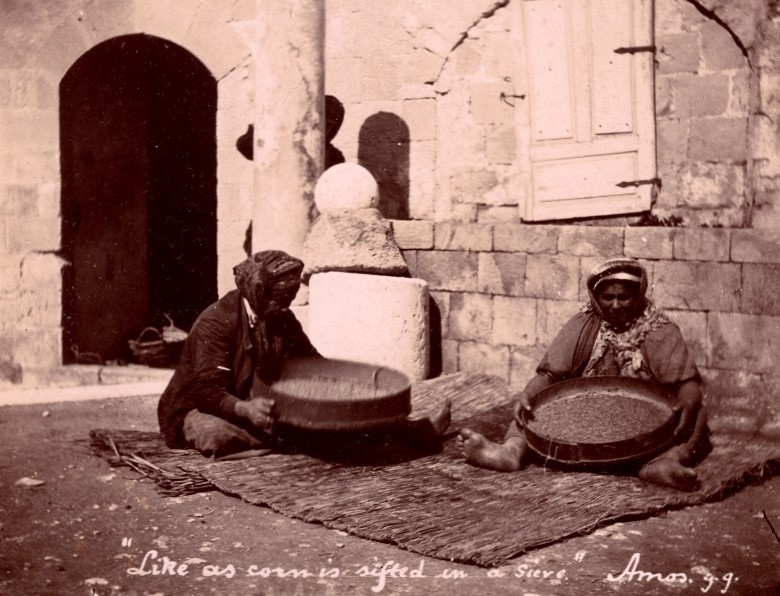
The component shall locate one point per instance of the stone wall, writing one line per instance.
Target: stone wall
(40, 42)
(504, 290)
(442, 72)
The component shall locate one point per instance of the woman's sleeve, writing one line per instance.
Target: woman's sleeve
(668, 356)
(567, 350)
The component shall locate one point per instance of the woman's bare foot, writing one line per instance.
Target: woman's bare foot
(668, 472)
(484, 453)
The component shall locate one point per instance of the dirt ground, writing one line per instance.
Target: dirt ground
(93, 530)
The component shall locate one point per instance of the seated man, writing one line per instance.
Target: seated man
(218, 400)
(619, 332)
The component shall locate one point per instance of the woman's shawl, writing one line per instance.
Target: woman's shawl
(657, 339)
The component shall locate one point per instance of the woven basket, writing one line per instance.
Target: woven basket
(149, 348)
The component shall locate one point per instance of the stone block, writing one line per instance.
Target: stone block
(739, 104)
(410, 256)
(590, 241)
(663, 98)
(409, 234)
(551, 316)
(34, 234)
(712, 185)
(648, 242)
(10, 274)
(440, 311)
(34, 309)
(718, 140)
(761, 289)
(486, 105)
(672, 141)
(422, 185)
(497, 48)
(688, 285)
(355, 241)
(697, 96)
(467, 60)
(461, 236)
(459, 138)
(524, 238)
(677, 53)
(38, 347)
(743, 342)
(497, 214)
(693, 326)
(470, 185)
(672, 17)
(72, 375)
(18, 200)
(523, 361)
(449, 356)
(133, 373)
(552, 277)
(755, 246)
(470, 317)
(701, 244)
(719, 50)
(463, 213)
(514, 321)
(375, 319)
(41, 270)
(501, 144)
(26, 128)
(769, 54)
(501, 273)
(455, 271)
(421, 66)
(378, 79)
(25, 89)
(480, 358)
(420, 117)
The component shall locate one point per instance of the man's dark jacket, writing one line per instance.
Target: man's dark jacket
(218, 363)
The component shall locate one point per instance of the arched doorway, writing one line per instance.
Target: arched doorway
(138, 162)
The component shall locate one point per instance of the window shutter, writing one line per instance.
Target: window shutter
(588, 134)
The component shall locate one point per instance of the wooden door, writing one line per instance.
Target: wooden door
(588, 132)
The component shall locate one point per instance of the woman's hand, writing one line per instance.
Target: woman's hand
(521, 404)
(688, 404)
(259, 411)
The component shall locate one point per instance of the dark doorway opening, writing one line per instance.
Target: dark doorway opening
(138, 163)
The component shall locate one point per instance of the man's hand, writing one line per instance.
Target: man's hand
(259, 411)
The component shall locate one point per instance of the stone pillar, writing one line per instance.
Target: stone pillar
(375, 319)
(289, 105)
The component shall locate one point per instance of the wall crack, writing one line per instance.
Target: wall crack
(464, 36)
(712, 15)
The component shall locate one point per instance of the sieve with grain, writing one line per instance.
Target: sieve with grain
(335, 395)
(600, 421)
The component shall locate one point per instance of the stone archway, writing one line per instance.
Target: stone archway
(138, 163)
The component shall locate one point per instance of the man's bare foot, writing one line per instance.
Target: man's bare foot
(484, 453)
(668, 472)
(427, 432)
(440, 419)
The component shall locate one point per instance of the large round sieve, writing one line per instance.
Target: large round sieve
(603, 421)
(336, 395)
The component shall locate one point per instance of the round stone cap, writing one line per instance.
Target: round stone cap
(346, 186)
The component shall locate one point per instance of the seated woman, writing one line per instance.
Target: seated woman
(619, 332)
(218, 400)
